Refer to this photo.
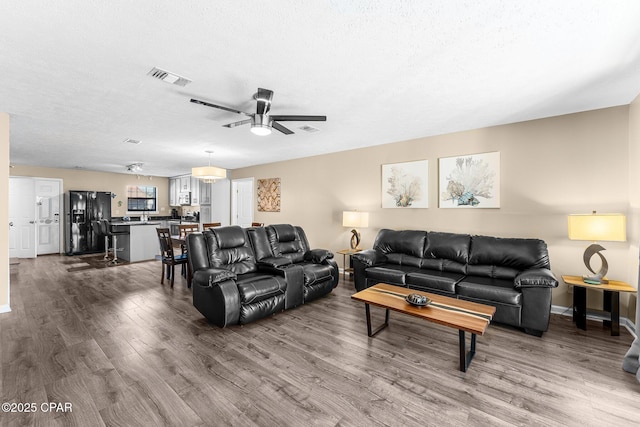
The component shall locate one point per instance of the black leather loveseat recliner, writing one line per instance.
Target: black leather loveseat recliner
(510, 274)
(238, 277)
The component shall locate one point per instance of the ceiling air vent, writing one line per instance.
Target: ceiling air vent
(308, 128)
(168, 77)
(132, 141)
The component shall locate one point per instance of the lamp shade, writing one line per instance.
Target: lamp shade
(598, 227)
(209, 172)
(355, 219)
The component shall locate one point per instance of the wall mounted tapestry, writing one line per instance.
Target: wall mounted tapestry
(405, 185)
(269, 195)
(470, 181)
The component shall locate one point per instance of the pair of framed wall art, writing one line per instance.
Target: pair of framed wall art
(469, 181)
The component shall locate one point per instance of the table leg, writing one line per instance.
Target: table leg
(384, 325)
(580, 307)
(611, 303)
(466, 358)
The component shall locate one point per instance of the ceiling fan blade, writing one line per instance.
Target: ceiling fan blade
(300, 118)
(278, 126)
(264, 97)
(208, 104)
(240, 123)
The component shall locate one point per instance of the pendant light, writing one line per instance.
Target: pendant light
(209, 173)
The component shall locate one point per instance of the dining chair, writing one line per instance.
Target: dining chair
(169, 258)
(207, 225)
(186, 229)
(257, 224)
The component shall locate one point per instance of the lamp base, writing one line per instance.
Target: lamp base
(355, 239)
(594, 280)
(598, 277)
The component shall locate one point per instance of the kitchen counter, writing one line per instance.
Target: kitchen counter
(141, 244)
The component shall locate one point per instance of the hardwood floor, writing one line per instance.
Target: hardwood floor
(124, 350)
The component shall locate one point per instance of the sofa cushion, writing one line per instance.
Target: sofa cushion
(518, 254)
(256, 287)
(285, 242)
(389, 273)
(314, 273)
(433, 280)
(451, 246)
(230, 237)
(489, 289)
(228, 248)
(407, 242)
(318, 256)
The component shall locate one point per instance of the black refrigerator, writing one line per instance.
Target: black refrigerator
(81, 208)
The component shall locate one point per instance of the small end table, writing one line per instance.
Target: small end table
(345, 253)
(610, 302)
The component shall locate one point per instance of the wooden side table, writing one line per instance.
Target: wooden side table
(345, 253)
(610, 302)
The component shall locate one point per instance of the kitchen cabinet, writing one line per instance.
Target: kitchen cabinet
(205, 193)
(185, 183)
(174, 183)
(195, 191)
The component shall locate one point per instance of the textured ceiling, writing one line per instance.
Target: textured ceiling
(73, 73)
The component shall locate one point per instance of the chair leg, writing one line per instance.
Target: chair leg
(162, 277)
(173, 273)
(106, 247)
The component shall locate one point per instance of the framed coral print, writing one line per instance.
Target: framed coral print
(405, 185)
(470, 181)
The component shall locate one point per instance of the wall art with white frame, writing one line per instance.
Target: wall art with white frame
(470, 181)
(405, 185)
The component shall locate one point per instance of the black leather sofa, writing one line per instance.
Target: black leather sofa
(510, 274)
(241, 275)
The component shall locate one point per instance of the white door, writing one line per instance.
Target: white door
(48, 198)
(22, 218)
(242, 202)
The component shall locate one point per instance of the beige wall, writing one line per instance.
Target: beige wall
(101, 181)
(549, 168)
(633, 221)
(4, 212)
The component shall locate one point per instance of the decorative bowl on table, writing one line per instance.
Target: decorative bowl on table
(417, 300)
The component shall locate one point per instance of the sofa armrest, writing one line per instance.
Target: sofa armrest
(370, 257)
(536, 278)
(318, 256)
(275, 262)
(209, 277)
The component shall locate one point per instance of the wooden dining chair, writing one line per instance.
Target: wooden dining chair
(207, 225)
(257, 224)
(169, 258)
(186, 229)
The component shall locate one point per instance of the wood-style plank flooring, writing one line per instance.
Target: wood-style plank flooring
(125, 350)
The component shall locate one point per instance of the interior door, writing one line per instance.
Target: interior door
(48, 197)
(22, 218)
(242, 202)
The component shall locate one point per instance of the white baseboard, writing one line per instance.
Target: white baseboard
(568, 311)
(5, 308)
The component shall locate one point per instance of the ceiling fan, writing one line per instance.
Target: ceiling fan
(261, 121)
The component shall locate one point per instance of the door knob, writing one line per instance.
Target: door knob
(11, 224)
(32, 222)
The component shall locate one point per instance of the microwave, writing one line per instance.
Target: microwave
(184, 198)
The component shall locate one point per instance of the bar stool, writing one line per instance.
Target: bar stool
(99, 229)
(114, 238)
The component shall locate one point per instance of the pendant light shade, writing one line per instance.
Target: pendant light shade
(209, 173)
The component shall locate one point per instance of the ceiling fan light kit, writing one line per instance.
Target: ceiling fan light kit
(261, 121)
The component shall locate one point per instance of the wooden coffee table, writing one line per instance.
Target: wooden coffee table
(465, 316)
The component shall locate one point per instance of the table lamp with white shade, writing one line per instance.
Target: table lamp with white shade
(597, 227)
(356, 220)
